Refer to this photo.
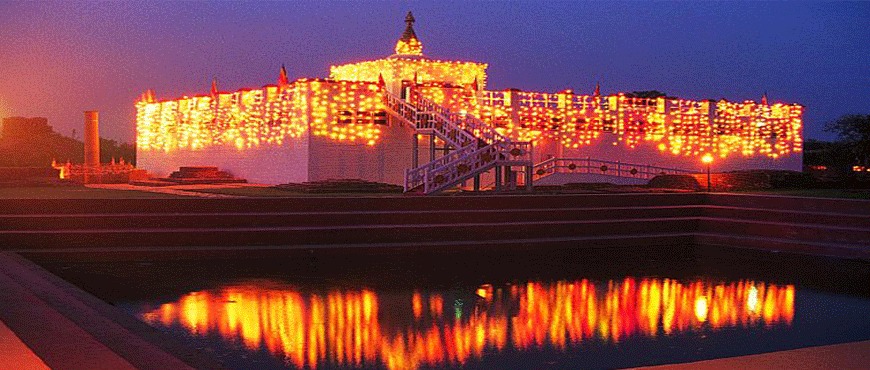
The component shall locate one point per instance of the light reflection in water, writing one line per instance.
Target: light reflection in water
(344, 327)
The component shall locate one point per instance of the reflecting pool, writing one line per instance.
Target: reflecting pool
(544, 312)
(364, 327)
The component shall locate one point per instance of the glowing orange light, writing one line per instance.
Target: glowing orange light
(345, 328)
(346, 106)
(707, 158)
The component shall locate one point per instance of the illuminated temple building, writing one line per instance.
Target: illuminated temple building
(431, 124)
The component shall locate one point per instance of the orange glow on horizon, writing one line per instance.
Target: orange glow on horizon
(347, 328)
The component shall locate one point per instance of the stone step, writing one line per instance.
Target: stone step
(778, 215)
(845, 206)
(679, 242)
(117, 339)
(157, 351)
(320, 204)
(357, 234)
(786, 230)
(295, 219)
(57, 340)
(828, 249)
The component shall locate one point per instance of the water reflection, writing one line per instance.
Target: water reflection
(353, 328)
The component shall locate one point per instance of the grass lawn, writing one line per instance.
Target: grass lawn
(75, 192)
(821, 193)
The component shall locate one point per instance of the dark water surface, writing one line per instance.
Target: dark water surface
(559, 309)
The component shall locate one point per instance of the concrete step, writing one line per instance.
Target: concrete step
(786, 231)
(676, 242)
(845, 206)
(117, 339)
(79, 302)
(829, 249)
(297, 219)
(357, 234)
(359, 204)
(816, 217)
(58, 341)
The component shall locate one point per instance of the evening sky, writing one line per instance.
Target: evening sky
(58, 59)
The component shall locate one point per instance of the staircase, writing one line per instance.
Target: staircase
(475, 146)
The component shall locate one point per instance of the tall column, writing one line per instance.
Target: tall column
(92, 145)
(92, 138)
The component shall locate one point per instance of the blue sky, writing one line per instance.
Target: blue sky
(58, 59)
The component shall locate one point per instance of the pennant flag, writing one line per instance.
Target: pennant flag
(597, 89)
(282, 78)
(381, 81)
(214, 90)
(764, 98)
(474, 85)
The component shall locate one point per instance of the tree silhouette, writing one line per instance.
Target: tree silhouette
(854, 131)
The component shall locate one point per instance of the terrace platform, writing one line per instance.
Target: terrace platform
(76, 330)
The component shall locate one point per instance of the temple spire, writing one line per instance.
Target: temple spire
(282, 77)
(409, 44)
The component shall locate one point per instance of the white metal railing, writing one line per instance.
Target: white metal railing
(474, 126)
(423, 118)
(477, 145)
(400, 108)
(601, 167)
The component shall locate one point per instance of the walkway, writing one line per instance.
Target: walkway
(855, 355)
(14, 354)
(181, 190)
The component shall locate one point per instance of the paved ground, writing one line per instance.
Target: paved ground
(854, 355)
(14, 354)
(182, 190)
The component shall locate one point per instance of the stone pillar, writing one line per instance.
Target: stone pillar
(92, 146)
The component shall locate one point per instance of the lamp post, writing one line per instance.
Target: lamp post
(708, 159)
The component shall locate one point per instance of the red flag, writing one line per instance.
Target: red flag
(474, 84)
(282, 78)
(148, 96)
(381, 81)
(764, 98)
(597, 89)
(214, 90)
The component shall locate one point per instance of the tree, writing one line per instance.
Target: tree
(854, 131)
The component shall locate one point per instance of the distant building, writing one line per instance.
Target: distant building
(430, 124)
(22, 127)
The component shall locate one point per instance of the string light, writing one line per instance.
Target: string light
(340, 110)
(349, 107)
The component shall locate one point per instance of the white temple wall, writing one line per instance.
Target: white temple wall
(266, 164)
(385, 161)
(646, 153)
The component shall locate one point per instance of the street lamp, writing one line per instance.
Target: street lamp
(708, 159)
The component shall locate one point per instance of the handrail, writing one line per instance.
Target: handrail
(476, 127)
(429, 119)
(603, 167)
(477, 145)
